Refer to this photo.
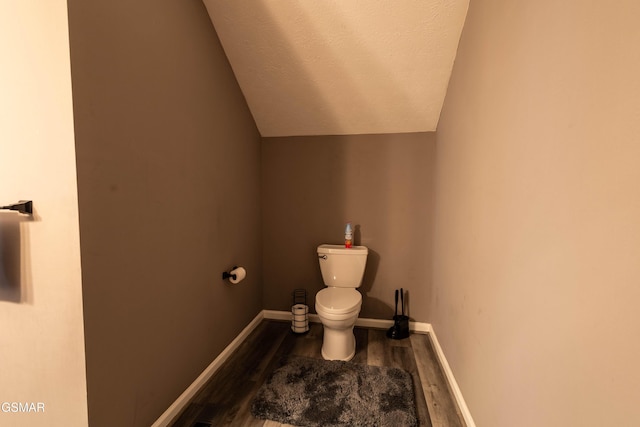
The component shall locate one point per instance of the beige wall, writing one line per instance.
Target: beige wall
(537, 231)
(42, 345)
(168, 171)
(311, 186)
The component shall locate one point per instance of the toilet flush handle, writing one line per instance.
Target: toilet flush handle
(324, 256)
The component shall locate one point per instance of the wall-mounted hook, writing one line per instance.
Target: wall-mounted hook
(23, 207)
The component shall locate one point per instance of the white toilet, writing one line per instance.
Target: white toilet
(338, 305)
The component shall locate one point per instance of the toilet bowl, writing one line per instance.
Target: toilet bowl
(338, 310)
(338, 305)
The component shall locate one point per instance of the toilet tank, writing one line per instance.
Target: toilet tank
(342, 267)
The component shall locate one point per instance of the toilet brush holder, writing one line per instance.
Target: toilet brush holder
(300, 312)
(400, 328)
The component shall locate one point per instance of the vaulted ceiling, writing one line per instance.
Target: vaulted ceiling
(336, 67)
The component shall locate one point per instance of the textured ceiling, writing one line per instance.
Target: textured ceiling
(336, 67)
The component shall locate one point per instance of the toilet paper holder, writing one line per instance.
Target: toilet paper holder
(300, 312)
(226, 275)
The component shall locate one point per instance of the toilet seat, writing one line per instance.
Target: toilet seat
(335, 301)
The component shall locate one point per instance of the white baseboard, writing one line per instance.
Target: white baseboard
(361, 321)
(183, 400)
(448, 373)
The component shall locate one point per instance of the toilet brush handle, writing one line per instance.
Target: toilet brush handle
(396, 303)
(402, 299)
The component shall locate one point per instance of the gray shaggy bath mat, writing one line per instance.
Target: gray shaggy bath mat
(314, 392)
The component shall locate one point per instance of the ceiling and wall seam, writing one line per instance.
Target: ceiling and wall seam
(341, 67)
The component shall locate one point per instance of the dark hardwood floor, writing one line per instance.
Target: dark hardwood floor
(226, 398)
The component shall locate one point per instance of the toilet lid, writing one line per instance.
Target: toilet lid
(338, 300)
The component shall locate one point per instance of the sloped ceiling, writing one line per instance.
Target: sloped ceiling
(336, 67)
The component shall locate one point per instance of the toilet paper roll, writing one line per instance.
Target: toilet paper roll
(240, 274)
(300, 320)
(300, 310)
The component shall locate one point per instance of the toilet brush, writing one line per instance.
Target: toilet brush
(400, 328)
(403, 321)
(393, 331)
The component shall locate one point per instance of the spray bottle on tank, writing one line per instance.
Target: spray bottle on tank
(348, 236)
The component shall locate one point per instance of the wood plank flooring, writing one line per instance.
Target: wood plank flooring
(226, 398)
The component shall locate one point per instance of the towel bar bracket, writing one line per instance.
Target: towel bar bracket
(23, 207)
